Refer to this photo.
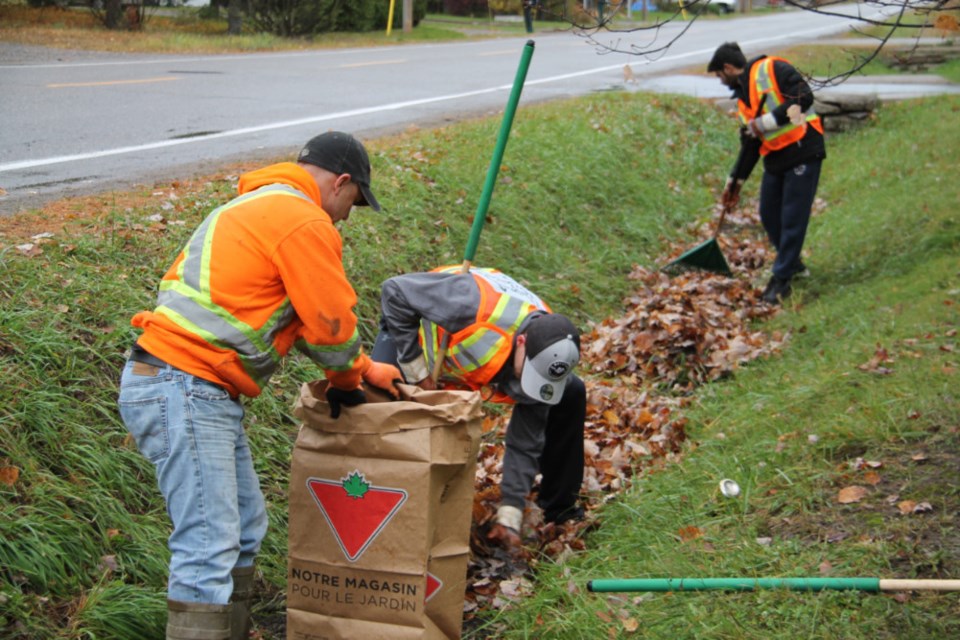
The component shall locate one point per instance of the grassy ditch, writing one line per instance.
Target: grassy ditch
(865, 395)
(588, 188)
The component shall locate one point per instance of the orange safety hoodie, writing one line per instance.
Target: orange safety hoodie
(262, 274)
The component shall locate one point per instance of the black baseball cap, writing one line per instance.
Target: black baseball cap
(340, 152)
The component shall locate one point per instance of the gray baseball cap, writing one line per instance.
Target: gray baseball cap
(553, 351)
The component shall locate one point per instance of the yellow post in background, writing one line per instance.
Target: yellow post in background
(390, 18)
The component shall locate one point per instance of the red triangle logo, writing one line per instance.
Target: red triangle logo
(433, 585)
(355, 510)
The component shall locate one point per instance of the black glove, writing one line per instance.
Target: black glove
(340, 397)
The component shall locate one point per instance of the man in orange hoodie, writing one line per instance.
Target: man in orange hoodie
(261, 275)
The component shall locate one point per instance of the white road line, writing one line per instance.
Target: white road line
(40, 162)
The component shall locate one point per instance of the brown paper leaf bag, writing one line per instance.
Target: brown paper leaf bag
(379, 525)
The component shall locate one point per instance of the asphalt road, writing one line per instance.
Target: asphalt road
(77, 123)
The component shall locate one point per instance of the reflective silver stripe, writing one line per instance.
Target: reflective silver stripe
(259, 359)
(764, 82)
(259, 366)
(191, 269)
(335, 357)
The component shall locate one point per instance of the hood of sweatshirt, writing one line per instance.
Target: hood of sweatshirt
(288, 173)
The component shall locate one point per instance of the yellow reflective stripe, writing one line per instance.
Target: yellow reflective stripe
(340, 357)
(429, 340)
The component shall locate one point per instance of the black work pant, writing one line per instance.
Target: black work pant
(561, 463)
(785, 203)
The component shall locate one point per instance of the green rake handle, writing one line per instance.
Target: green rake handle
(484, 204)
(497, 158)
(752, 584)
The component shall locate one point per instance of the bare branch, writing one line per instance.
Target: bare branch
(889, 17)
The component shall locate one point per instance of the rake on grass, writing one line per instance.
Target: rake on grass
(752, 584)
(707, 255)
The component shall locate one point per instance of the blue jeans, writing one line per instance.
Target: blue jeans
(785, 203)
(192, 432)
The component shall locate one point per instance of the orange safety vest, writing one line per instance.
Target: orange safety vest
(262, 274)
(763, 82)
(476, 353)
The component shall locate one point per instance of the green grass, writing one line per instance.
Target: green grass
(82, 537)
(588, 188)
(183, 31)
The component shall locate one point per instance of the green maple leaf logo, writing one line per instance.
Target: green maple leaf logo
(355, 485)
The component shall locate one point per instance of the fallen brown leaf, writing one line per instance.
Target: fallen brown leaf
(690, 533)
(906, 506)
(854, 493)
(9, 475)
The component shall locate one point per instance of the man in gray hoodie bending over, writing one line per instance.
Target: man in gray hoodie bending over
(503, 341)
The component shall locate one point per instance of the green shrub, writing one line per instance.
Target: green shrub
(305, 18)
(507, 7)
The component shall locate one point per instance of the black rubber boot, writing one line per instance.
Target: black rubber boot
(241, 599)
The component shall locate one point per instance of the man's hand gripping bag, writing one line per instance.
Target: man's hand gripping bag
(380, 507)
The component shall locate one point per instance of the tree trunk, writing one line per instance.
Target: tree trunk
(113, 13)
(407, 16)
(234, 17)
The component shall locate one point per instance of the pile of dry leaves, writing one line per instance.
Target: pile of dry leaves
(676, 333)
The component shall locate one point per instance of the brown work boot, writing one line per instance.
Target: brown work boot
(197, 621)
(241, 599)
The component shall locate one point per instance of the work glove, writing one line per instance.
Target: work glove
(383, 376)
(506, 531)
(759, 126)
(731, 193)
(342, 398)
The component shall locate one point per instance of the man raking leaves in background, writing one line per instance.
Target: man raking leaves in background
(505, 342)
(777, 122)
(261, 275)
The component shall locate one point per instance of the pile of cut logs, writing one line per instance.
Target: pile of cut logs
(921, 58)
(842, 112)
